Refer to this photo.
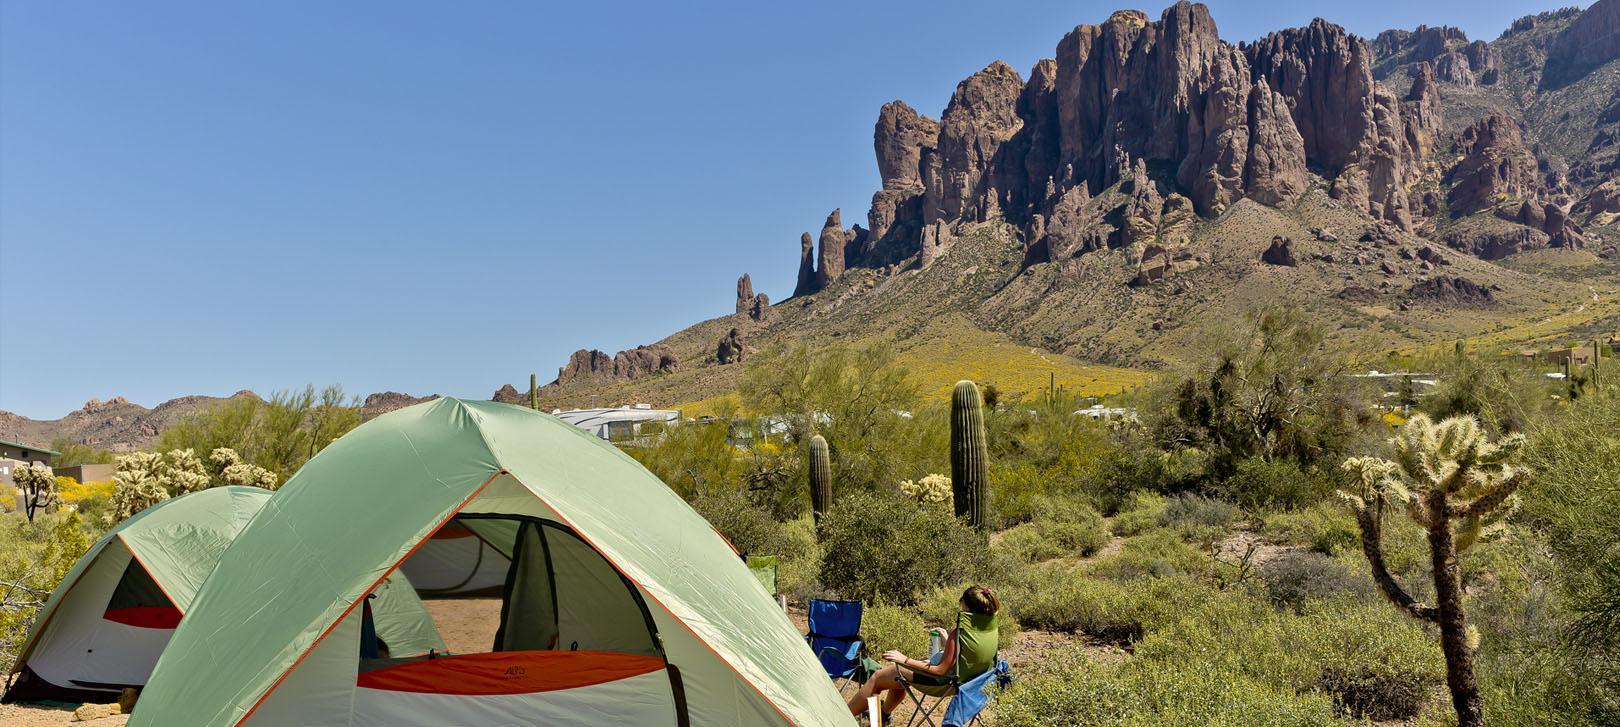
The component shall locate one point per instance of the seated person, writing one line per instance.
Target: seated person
(939, 678)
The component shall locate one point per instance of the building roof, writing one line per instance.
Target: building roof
(20, 445)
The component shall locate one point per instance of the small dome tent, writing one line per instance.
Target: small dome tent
(621, 605)
(106, 623)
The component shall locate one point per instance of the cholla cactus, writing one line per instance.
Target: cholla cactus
(930, 490)
(38, 486)
(183, 472)
(136, 485)
(236, 472)
(1453, 481)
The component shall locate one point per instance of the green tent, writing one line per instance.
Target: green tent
(105, 624)
(621, 604)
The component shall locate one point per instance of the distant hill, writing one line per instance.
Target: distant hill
(115, 424)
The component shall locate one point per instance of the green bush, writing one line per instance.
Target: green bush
(1159, 553)
(1188, 510)
(1059, 528)
(1140, 512)
(798, 566)
(881, 545)
(1258, 484)
(1326, 528)
(887, 627)
(1293, 579)
(1072, 690)
(1059, 599)
(1137, 465)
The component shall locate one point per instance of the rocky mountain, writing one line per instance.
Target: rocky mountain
(1152, 179)
(115, 424)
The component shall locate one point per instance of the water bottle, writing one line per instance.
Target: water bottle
(936, 645)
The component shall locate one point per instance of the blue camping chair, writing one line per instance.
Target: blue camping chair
(835, 637)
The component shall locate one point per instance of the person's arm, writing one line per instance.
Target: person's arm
(918, 666)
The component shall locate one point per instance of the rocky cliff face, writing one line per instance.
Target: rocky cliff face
(1593, 39)
(1163, 112)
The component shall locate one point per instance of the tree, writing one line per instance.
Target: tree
(859, 398)
(277, 435)
(1455, 483)
(38, 485)
(1272, 391)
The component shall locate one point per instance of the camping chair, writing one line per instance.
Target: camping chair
(764, 569)
(835, 638)
(978, 666)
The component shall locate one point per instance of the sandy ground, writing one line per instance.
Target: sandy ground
(16, 715)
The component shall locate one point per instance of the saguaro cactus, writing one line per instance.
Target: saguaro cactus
(1450, 479)
(820, 477)
(970, 461)
(534, 392)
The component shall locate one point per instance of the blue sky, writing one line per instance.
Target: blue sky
(201, 197)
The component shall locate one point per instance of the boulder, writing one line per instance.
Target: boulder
(1281, 252)
(731, 349)
(1449, 290)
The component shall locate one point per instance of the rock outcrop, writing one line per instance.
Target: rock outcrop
(644, 361)
(1451, 291)
(903, 139)
(731, 349)
(830, 264)
(962, 180)
(387, 401)
(807, 267)
(1592, 40)
(1494, 165)
(1280, 252)
(745, 294)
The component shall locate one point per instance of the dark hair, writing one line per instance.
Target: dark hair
(980, 599)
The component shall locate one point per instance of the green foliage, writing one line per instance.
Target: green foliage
(1272, 391)
(852, 396)
(1141, 512)
(77, 453)
(886, 627)
(1188, 510)
(34, 558)
(970, 458)
(1258, 484)
(1137, 465)
(278, 435)
(1114, 611)
(1162, 552)
(1323, 528)
(1295, 579)
(884, 546)
(1060, 527)
(1072, 689)
(1575, 499)
(1041, 449)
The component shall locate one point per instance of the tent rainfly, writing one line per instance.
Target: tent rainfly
(104, 626)
(621, 605)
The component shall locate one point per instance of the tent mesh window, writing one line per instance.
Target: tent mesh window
(560, 594)
(139, 601)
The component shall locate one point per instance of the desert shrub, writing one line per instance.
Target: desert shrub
(1294, 578)
(798, 568)
(1325, 528)
(1188, 510)
(1059, 599)
(1060, 527)
(1138, 465)
(34, 557)
(1363, 655)
(749, 527)
(1070, 689)
(1258, 484)
(881, 545)
(1156, 553)
(1140, 512)
(887, 627)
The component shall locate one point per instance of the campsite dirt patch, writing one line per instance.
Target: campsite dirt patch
(18, 715)
(468, 625)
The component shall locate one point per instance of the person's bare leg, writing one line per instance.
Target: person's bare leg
(883, 679)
